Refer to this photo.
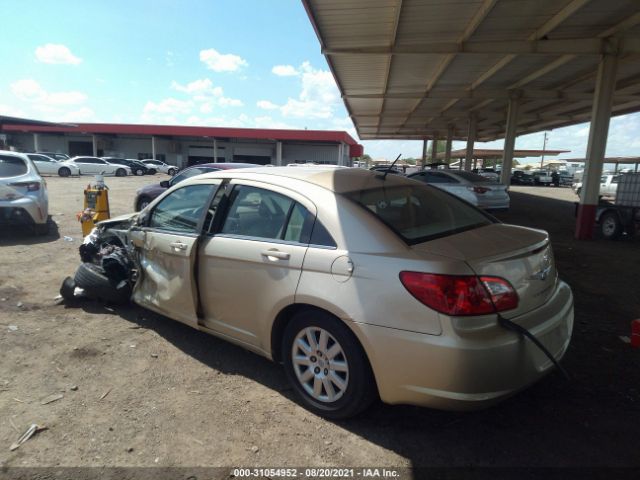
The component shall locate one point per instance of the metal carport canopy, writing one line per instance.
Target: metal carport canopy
(413, 69)
(485, 69)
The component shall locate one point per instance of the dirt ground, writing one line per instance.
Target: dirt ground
(139, 389)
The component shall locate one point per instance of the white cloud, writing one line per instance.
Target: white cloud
(285, 71)
(28, 90)
(56, 54)
(200, 87)
(206, 95)
(318, 98)
(230, 102)
(219, 62)
(170, 106)
(31, 91)
(266, 105)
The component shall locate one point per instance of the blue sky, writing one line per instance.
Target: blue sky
(243, 63)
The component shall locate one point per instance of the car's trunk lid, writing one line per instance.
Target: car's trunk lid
(520, 255)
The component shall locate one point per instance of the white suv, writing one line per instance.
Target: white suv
(23, 193)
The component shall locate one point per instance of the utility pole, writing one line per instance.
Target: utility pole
(544, 148)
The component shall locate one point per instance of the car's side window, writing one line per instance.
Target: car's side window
(320, 236)
(181, 210)
(256, 212)
(299, 225)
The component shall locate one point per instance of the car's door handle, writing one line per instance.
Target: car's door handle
(178, 245)
(276, 254)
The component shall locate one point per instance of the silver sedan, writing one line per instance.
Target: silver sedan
(475, 189)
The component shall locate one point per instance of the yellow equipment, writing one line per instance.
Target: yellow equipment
(96, 206)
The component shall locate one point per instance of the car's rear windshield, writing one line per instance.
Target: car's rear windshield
(419, 213)
(11, 166)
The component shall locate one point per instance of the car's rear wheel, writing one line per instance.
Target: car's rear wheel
(327, 366)
(142, 203)
(152, 171)
(610, 226)
(64, 172)
(139, 172)
(121, 172)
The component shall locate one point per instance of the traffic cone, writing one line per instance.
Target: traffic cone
(635, 333)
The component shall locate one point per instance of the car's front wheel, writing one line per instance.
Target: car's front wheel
(610, 226)
(172, 171)
(327, 366)
(139, 172)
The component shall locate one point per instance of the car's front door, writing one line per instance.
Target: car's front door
(87, 165)
(250, 267)
(167, 253)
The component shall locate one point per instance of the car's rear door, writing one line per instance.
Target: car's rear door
(250, 265)
(168, 246)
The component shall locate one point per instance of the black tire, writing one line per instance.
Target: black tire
(152, 171)
(360, 389)
(64, 172)
(172, 171)
(610, 226)
(138, 172)
(41, 228)
(578, 191)
(142, 202)
(95, 283)
(121, 172)
(68, 288)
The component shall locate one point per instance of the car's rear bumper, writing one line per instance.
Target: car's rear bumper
(22, 211)
(469, 368)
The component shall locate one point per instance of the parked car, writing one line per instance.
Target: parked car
(161, 166)
(95, 165)
(488, 173)
(361, 287)
(468, 186)
(50, 166)
(520, 177)
(56, 156)
(137, 167)
(146, 194)
(23, 193)
(608, 185)
(542, 177)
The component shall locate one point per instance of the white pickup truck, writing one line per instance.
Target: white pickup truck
(608, 185)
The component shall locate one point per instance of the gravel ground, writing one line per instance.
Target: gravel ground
(139, 389)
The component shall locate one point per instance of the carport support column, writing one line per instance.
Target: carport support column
(424, 153)
(215, 150)
(36, 142)
(447, 148)
(153, 147)
(471, 138)
(434, 149)
(509, 140)
(279, 154)
(94, 142)
(600, 117)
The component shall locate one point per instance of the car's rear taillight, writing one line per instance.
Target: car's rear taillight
(30, 186)
(460, 295)
(480, 190)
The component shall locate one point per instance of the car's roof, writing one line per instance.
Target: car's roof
(335, 179)
(224, 165)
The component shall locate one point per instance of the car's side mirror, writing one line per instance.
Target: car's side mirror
(165, 184)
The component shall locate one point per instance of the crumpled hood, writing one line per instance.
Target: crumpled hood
(119, 219)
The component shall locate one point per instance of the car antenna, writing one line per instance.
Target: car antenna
(390, 167)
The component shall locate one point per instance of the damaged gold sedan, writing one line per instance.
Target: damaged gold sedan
(362, 284)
